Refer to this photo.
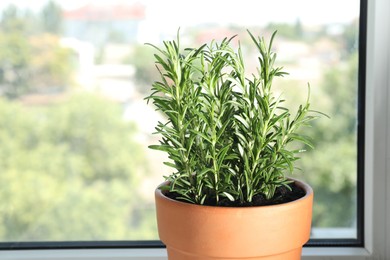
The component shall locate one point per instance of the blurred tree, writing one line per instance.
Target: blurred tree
(70, 172)
(332, 168)
(145, 71)
(50, 66)
(15, 54)
(37, 63)
(30, 60)
(94, 130)
(298, 29)
(15, 20)
(12, 20)
(52, 20)
(350, 37)
(287, 30)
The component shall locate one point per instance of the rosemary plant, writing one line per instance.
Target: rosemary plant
(227, 136)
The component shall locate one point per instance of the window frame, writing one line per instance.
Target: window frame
(376, 165)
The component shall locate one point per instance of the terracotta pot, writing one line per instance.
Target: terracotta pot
(194, 232)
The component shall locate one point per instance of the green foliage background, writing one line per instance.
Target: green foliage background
(332, 168)
(71, 167)
(72, 170)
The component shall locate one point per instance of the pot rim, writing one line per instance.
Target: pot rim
(307, 188)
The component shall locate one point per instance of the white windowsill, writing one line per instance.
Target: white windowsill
(311, 253)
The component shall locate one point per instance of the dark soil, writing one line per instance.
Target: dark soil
(282, 195)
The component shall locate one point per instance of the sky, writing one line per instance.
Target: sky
(261, 12)
(168, 12)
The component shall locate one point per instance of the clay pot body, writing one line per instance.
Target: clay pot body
(194, 232)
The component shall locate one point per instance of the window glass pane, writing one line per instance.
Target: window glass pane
(74, 127)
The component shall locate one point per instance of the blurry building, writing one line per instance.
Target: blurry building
(101, 23)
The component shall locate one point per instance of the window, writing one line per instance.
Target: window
(67, 127)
